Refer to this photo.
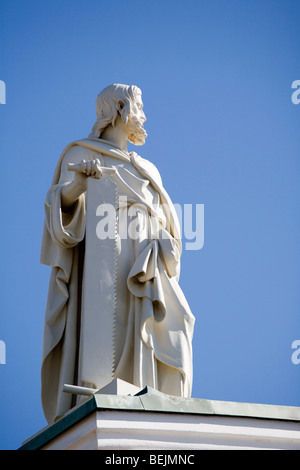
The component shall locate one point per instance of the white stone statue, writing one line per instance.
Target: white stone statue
(114, 307)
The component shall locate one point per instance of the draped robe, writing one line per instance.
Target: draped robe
(154, 324)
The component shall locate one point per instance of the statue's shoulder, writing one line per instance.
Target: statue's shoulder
(72, 153)
(73, 150)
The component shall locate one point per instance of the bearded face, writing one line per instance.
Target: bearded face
(120, 100)
(135, 122)
(137, 134)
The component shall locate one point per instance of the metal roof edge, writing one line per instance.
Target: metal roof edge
(53, 430)
(151, 400)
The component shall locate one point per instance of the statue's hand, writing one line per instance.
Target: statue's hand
(82, 171)
(85, 169)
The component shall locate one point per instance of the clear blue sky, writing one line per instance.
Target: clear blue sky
(222, 129)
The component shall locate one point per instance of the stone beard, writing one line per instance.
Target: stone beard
(153, 324)
(137, 133)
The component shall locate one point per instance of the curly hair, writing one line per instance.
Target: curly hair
(111, 101)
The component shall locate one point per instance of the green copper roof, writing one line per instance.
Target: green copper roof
(152, 400)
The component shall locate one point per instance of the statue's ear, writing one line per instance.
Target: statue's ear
(120, 105)
(123, 109)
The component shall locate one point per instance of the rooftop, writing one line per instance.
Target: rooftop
(150, 400)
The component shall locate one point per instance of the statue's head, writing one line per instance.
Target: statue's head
(124, 101)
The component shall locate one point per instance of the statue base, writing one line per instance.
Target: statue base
(112, 419)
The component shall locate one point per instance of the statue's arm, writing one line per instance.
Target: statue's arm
(71, 192)
(65, 200)
(76, 181)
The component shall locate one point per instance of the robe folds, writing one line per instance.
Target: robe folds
(154, 324)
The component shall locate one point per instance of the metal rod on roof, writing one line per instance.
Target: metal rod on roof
(75, 389)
